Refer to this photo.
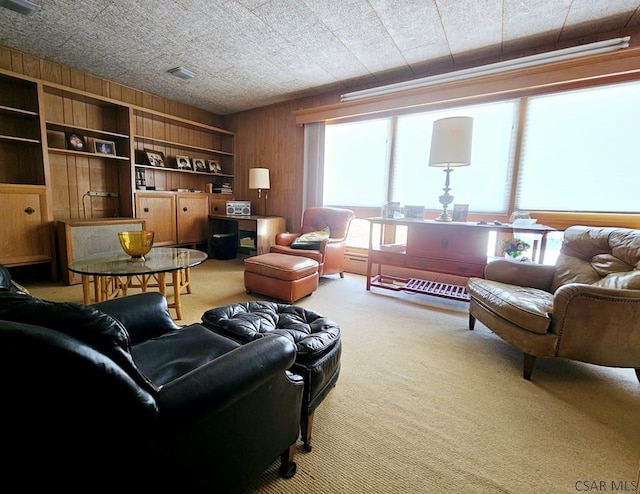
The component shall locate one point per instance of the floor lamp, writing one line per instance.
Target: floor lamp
(259, 179)
(450, 148)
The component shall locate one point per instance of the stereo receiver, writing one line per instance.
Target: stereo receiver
(238, 208)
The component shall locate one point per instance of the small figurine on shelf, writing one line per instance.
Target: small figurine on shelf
(514, 247)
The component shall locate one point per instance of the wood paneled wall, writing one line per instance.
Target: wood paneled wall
(269, 137)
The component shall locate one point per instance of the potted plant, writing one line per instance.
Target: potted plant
(514, 247)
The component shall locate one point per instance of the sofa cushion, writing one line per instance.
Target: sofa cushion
(92, 327)
(312, 333)
(311, 240)
(174, 354)
(607, 257)
(528, 308)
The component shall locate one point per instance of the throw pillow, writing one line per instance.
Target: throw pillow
(311, 240)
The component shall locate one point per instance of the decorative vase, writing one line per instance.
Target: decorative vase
(136, 243)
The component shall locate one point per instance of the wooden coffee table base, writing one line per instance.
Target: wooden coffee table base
(106, 287)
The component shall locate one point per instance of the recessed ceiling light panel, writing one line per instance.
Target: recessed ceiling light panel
(24, 7)
(182, 73)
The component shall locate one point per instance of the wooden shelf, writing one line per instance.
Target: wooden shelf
(85, 154)
(180, 170)
(18, 112)
(181, 145)
(19, 139)
(84, 130)
(183, 121)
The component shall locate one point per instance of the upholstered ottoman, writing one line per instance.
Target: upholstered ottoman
(283, 277)
(317, 340)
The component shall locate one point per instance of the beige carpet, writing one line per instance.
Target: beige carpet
(424, 405)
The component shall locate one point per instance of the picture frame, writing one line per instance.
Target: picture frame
(200, 165)
(460, 212)
(155, 158)
(183, 163)
(214, 166)
(75, 141)
(104, 147)
(414, 212)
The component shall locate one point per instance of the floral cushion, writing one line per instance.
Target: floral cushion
(311, 240)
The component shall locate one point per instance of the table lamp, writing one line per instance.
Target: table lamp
(450, 147)
(259, 179)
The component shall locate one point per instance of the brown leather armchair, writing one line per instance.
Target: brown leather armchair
(330, 253)
(586, 307)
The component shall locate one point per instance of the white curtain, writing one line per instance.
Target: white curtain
(313, 164)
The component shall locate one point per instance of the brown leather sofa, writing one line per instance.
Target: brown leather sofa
(586, 307)
(330, 253)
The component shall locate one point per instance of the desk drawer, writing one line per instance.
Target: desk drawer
(459, 268)
(391, 258)
(247, 225)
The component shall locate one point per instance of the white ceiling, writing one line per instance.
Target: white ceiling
(250, 53)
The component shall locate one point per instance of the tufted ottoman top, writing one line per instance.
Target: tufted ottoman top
(312, 333)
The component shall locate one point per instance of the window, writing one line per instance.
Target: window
(360, 171)
(484, 185)
(355, 170)
(580, 151)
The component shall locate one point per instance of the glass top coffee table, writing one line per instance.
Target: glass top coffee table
(113, 273)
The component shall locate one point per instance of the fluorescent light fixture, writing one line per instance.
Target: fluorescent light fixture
(182, 73)
(494, 68)
(23, 7)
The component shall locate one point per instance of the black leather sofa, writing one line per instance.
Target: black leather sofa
(117, 396)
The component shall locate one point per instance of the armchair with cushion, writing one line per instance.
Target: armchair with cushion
(117, 396)
(586, 307)
(326, 229)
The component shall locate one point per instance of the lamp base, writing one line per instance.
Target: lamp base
(444, 216)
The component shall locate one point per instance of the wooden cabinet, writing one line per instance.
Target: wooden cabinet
(82, 156)
(81, 238)
(454, 248)
(158, 209)
(25, 237)
(191, 218)
(176, 219)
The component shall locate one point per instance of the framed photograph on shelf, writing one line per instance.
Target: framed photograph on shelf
(104, 147)
(183, 163)
(460, 212)
(155, 158)
(76, 142)
(199, 165)
(414, 212)
(214, 166)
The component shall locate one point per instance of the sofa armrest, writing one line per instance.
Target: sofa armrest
(598, 325)
(144, 315)
(286, 238)
(228, 378)
(528, 274)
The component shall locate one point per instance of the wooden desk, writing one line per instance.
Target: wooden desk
(261, 229)
(442, 247)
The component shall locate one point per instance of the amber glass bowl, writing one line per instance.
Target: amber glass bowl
(136, 243)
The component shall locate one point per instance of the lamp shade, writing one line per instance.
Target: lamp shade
(451, 142)
(259, 178)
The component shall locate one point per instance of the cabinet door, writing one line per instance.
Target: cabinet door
(448, 241)
(25, 237)
(193, 212)
(159, 212)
